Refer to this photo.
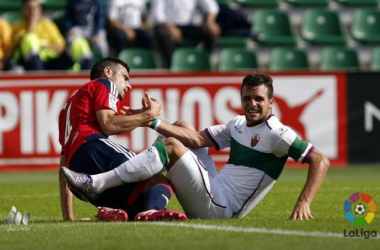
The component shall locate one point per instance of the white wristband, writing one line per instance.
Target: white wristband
(155, 124)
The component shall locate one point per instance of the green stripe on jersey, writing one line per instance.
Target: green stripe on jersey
(244, 156)
(297, 148)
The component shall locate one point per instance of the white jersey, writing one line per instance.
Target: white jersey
(257, 157)
(181, 12)
(128, 12)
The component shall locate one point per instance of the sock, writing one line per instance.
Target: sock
(144, 165)
(163, 152)
(106, 180)
(158, 197)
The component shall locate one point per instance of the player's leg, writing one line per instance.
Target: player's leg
(202, 153)
(157, 193)
(198, 195)
(141, 167)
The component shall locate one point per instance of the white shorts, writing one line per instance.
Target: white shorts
(192, 186)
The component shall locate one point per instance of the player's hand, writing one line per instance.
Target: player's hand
(153, 105)
(301, 211)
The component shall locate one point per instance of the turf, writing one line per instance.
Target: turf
(267, 226)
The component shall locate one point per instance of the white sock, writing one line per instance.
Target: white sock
(106, 180)
(141, 167)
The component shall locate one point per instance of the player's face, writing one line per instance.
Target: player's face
(121, 80)
(255, 103)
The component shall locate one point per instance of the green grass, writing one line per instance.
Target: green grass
(38, 194)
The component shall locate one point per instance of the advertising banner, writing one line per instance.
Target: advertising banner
(30, 105)
(364, 117)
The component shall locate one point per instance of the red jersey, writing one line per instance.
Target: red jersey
(77, 119)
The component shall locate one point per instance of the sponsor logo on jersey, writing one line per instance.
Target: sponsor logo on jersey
(254, 140)
(113, 102)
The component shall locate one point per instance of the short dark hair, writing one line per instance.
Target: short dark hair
(253, 80)
(97, 69)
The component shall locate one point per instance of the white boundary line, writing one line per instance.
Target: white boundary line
(257, 230)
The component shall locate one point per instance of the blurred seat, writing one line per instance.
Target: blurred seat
(365, 26)
(190, 59)
(224, 2)
(236, 59)
(137, 58)
(12, 16)
(53, 4)
(322, 27)
(375, 59)
(285, 58)
(308, 3)
(358, 2)
(231, 41)
(7, 5)
(273, 27)
(58, 17)
(339, 58)
(258, 3)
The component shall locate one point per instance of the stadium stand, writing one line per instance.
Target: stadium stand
(273, 28)
(258, 3)
(190, 59)
(6, 5)
(11, 15)
(375, 59)
(140, 58)
(339, 58)
(308, 3)
(53, 4)
(309, 26)
(365, 26)
(231, 59)
(58, 17)
(358, 3)
(322, 27)
(285, 58)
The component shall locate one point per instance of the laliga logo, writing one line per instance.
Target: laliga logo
(360, 210)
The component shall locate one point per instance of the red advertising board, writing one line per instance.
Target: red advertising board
(312, 104)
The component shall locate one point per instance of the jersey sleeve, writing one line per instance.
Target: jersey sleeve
(104, 96)
(220, 135)
(286, 142)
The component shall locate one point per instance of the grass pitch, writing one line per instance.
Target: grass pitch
(266, 227)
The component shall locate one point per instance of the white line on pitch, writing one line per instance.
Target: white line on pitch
(255, 230)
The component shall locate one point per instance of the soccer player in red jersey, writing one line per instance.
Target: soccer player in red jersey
(85, 122)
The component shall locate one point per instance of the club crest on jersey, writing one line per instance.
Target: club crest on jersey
(113, 102)
(254, 140)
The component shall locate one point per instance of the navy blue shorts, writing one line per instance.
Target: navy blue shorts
(99, 156)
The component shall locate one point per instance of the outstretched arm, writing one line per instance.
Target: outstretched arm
(318, 166)
(66, 197)
(189, 138)
(112, 124)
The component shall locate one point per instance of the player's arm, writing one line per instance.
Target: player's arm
(189, 138)
(66, 197)
(318, 166)
(112, 124)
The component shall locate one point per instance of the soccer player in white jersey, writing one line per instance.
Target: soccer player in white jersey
(259, 148)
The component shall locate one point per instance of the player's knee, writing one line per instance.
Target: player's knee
(155, 179)
(184, 124)
(174, 146)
